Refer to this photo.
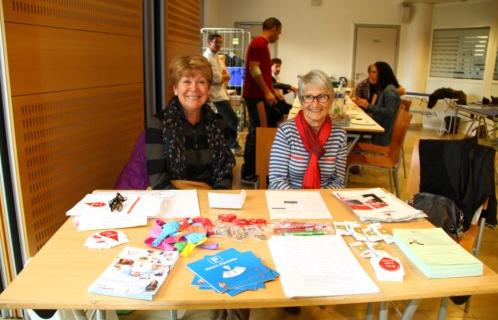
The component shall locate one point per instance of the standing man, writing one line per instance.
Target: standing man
(258, 87)
(217, 93)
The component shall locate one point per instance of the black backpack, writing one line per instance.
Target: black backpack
(441, 212)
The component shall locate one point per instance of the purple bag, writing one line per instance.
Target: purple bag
(134, 174)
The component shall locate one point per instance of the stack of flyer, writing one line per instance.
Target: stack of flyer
(231, 272)
(377, 205)
(135, 273)
(436, 254)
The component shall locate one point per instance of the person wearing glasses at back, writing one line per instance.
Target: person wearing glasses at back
(309, 151)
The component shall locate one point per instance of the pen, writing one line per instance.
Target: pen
(133, 205)
(305, 233)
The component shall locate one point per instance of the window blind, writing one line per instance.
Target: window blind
(459, 53)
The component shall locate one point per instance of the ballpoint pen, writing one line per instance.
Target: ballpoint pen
(305, 233)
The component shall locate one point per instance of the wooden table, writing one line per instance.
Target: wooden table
(477, 113)
(61, 272)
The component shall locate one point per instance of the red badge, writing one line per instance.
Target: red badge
(110, 234)
(389, 264)
(95, 204)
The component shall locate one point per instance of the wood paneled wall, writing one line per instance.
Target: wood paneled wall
(5, 245)
(76, 83)
(183, 25)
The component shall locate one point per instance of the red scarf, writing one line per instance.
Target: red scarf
(313, 143)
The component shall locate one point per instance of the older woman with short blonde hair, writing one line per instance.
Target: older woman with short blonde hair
(187, 140)
(309, 152)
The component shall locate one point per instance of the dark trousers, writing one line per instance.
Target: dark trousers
(225, 110)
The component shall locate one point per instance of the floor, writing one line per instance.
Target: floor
(483, 307)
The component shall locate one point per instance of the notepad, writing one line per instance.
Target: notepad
(436, 254)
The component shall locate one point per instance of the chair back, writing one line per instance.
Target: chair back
(401, 124)
(413, 180)
(264, 141)
(263, 119)
(472, 237)
(405, 104)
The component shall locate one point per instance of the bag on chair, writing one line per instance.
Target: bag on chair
(441, 212)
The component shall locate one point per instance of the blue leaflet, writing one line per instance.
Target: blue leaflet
(231, 272)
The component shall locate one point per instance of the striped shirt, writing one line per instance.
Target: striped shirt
(289, 159)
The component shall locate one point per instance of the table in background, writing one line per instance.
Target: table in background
(59, 275)
(361, 123)
(478, 113)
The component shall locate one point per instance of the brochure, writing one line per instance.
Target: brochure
(135, 273)
(231, 272)
(377, 205)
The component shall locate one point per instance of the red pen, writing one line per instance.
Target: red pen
(133, 205)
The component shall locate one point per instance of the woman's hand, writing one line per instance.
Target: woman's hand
(360, 102)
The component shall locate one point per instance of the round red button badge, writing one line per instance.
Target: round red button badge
(389, 264)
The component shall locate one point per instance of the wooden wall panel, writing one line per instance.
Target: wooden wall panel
(46, 59)
(70, 143)
(183, 23)
(5, 257)
(76, 84)
(183, 27)
(112, 16)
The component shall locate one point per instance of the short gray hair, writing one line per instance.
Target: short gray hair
(315, 78)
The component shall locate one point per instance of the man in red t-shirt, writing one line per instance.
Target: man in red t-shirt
(258, 87)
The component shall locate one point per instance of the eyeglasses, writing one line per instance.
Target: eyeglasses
(116, 203)
(320, 98)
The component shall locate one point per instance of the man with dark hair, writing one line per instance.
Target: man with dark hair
(258, 87)
(217, 93)
(276, 65)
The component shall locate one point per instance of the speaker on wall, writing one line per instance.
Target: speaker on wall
(405, 11)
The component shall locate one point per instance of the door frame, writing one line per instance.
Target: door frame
(384, 26)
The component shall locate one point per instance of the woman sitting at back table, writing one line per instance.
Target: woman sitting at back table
(186, 140)
(386, 108)
(309, 152)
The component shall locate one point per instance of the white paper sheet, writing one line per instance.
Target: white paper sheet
(227, 200)
(108, 220)
(326, 267)
(150, 202)
(296, 205)
(172, 203)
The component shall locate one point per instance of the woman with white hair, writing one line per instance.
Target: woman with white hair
(309, 152)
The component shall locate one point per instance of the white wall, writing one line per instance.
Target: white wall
(477, 13)
(323, 37)
(312, 37)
